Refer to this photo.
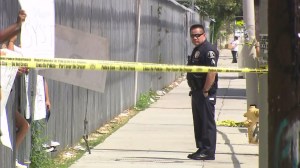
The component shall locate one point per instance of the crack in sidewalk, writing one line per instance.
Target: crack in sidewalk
(223, 99)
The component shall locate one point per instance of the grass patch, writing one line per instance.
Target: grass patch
(145, 100)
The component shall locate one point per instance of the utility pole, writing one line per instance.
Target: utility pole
(284, 84)
(213, 21)
(249, 53)
(263, 84)
(136, 52)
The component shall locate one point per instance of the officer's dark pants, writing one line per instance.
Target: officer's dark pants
(204, 121)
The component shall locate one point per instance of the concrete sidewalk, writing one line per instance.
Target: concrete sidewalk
(162, 135)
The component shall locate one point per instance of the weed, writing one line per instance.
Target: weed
(145, 100)
(39, 157)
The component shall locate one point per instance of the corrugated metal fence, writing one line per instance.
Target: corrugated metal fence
(163, 39)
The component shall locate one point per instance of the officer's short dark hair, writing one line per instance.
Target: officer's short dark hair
(197, 26)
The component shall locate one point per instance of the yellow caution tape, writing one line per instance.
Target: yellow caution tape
(82, 64)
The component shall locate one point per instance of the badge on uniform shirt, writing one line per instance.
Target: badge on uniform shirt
(197, 54)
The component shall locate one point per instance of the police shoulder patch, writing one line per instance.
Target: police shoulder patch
(213, 62)
(211, 54)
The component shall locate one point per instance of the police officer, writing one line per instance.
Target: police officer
(203, 92)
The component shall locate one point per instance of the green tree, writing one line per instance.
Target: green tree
(223, 11)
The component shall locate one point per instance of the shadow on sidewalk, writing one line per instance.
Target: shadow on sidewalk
(228, 77)
(231, 93)
(146, 159)
(234, 159)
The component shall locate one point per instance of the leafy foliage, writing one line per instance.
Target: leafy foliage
(220, 9)
(240, 23)
(223, 11)
(145, 100)
(39, 158)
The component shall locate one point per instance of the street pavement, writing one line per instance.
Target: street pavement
(162, 136)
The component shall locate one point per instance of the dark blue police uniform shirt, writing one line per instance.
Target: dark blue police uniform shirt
(204, 55)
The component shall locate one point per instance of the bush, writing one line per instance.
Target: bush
(39, 157)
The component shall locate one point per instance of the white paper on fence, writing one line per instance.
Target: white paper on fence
(40, 105)
(5, 139)
(27, 109)
(38, 40)
(37, 36)
(8, 75)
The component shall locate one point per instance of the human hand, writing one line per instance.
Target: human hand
(23, 70)
(4, 46)
(2, 53)
(21, 17)
(48, 105)
(205, 93)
